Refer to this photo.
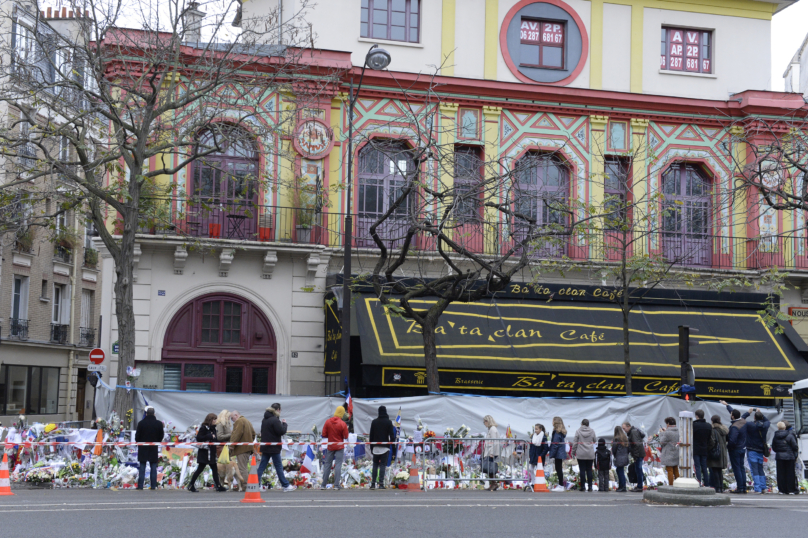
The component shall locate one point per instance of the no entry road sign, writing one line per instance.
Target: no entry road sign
(97, 356)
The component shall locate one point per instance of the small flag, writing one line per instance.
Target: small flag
(508, 432)
(398, 418)
(308, 461)
(349, 401)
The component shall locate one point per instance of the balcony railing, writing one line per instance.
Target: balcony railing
(59, 333)
(211, 219)
(86, 337)
(18, 328)
(62, 253)
(27, 156)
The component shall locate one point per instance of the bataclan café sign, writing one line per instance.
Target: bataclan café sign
(568, 340)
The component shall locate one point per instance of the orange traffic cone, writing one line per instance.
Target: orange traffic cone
(540, 484)
(414, 481)
(5, 483)
(253, 493)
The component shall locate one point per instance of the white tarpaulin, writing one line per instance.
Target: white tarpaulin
(183, 409)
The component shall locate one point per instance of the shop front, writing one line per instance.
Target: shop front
(561, 340)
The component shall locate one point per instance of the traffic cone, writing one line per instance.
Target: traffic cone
(5, 483)
(540, 484)
(253, 493)
(414, 481)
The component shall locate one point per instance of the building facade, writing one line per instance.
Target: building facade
(50, 288)
(659, 87)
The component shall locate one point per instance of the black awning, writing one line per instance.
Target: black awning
(510, 335)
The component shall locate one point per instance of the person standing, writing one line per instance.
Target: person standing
(273, 428)
(224, 429)
(381, 431)
(149, 430)
(636, 447)
(669, 450)
(207, 453)
(736, 448)
(786, 449)
(538, 448)
(702, 434)
(718, 459)
(603, 463)
(491, 450)
(756, 432)
(583, 448)
(243, 432)
(336, 431)
(558, 449)
(620, 453)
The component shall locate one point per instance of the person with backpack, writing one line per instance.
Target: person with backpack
(558, 449)
(756, 447)
(736, 448)
(583, 448)
(603, 463)
(786, 449)
(620, 453)
(702, 434)
(718, 458)
(669, 449)
(636, 447)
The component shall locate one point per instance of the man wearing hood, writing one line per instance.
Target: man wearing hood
(336, 431)
(736, 447)
(273, 428)
(381, 431)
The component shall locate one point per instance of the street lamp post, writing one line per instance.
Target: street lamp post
(377, 59)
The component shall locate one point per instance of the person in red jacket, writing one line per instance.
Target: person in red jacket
(336, 431)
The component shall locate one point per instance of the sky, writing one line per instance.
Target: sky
(789, 28)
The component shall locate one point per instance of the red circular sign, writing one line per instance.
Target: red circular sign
(313, 139)
(97, 356)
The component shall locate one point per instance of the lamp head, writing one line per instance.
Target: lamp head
(377, 59)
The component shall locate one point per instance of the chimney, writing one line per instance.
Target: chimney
(193, 23)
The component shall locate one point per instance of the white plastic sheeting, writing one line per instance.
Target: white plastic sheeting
(183, 409)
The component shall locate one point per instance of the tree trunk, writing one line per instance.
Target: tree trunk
(431, 356)
(626, 353)
(124, 273)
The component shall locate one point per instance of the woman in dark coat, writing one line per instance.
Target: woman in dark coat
(786, 449)
(717, 464)
(558, 448)
(207, 454)
(620, 453)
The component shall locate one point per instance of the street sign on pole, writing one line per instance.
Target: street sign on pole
(96, 367)
(97, 356)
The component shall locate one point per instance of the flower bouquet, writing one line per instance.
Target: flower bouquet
(453, 439)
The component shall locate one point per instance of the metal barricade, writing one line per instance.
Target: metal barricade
(447, 461)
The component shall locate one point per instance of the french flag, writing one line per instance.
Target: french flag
(349, 401)
(308, 461)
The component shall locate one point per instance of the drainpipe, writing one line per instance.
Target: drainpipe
(72, 331)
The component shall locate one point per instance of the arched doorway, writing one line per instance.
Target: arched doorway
(221, 343)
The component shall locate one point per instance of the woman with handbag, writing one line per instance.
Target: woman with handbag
(491, 451)
(718, 457)
(228, 468)
(207, 454)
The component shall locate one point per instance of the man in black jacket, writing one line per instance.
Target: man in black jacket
(381, 431)
(149, 430)
(636, 447)
(273, 428)
(702, 433)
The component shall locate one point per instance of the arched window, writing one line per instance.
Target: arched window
(687, 218)
(224, 183)
(385, 168)
(541, 193)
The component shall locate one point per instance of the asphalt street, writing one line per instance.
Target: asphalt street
(179, 514)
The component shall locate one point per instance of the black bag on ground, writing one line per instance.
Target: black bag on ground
(489, 467)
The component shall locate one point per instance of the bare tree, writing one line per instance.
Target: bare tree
(128, 92)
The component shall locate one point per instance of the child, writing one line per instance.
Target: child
(603, 463)
(538, 449)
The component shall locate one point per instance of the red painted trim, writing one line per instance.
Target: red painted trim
(506, 54)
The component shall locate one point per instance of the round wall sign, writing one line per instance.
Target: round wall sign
(544, 42)
(314, 139)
